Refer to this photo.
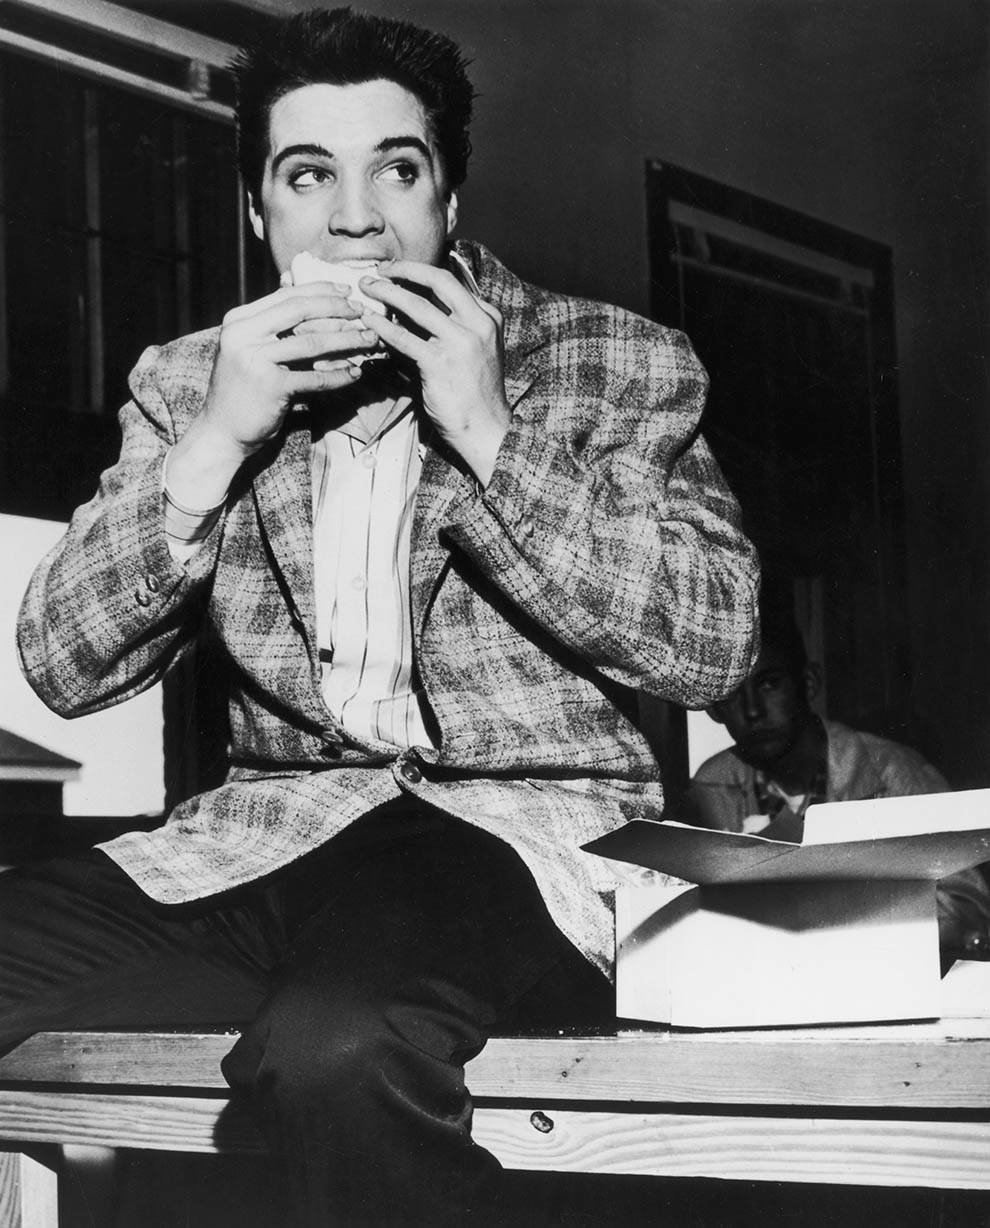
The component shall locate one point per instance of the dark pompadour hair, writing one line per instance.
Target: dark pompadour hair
(341, 47)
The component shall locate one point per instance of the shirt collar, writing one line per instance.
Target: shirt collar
(370, 422)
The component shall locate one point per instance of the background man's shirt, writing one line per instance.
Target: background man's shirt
(731, 795)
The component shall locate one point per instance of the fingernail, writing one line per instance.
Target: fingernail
(368, 334)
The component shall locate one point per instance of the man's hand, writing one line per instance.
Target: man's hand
(264, 362)
(458, 353)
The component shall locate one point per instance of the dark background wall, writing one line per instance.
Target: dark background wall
(869, 114)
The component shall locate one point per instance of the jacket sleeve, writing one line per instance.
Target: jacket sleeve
(608, 521)
(108, 609)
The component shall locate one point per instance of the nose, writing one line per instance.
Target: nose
(354, 211)
(750, 702)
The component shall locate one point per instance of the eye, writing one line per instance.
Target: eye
(401, 172)
(309, 177)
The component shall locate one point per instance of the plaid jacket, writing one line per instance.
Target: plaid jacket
(604, 555)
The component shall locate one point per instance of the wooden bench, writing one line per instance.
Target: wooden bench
(896, 1105)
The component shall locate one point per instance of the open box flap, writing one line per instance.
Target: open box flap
(706, 857)
(884, 817)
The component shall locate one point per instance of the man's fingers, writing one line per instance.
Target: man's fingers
(396, 337)
(324, 378)
(298, 347)
(428, 316)
(286, 308)
(449, 303)
(329, 325)
(441, 282)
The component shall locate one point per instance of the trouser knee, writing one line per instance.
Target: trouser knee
(342, 1051)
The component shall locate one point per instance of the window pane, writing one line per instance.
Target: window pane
(213, 229)
(45, 280)
(42, 143)
(138, 310)
(136, 168)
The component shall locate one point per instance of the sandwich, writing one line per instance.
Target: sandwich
(306, 267)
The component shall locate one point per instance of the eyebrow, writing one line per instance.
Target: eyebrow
(384, 146)
(405, 142)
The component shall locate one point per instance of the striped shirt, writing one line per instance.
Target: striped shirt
(364, 488)
(365, 475)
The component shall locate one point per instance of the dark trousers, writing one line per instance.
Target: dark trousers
(363, 977)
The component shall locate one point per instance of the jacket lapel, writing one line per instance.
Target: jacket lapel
(441, 482)
(284, 499)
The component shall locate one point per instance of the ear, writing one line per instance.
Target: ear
(257, 221)
(812, 677)
(451, 212)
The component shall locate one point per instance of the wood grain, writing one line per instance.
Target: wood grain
(925, 1066)
(780, 1148)
(833, 1151)
(157, 1123)
(144, 1059)
(28, 1192)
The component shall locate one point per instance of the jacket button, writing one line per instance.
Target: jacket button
(141, 597)
(152, 583)
(526, 527)
(410, 772)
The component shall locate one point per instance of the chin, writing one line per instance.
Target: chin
(763, 752)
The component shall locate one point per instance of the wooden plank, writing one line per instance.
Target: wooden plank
(891, 1068)
(778, 1148)
(831, 1151)
(28, 1192)
(157, 1123)
(118, 76)
(144, 1059)
(139, 29)
(752, 1069)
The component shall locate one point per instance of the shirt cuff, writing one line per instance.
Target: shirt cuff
(185, 527)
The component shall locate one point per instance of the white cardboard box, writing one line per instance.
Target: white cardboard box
(841, 928)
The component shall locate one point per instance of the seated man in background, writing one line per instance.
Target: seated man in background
(786, 758)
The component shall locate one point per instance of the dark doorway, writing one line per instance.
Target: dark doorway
(793, 319)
